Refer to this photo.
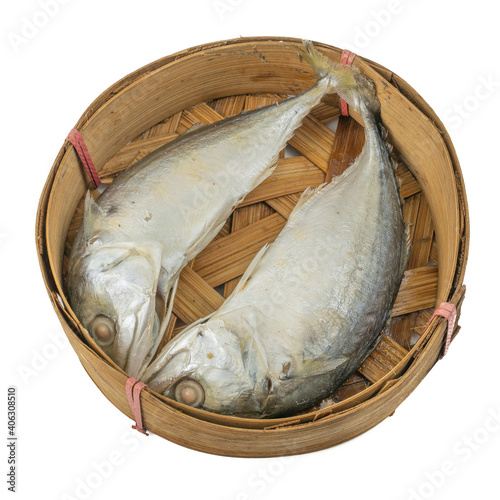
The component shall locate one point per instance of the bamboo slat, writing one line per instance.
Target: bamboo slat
(409, 185)
(386, 356)
(410, 214)
(403, 328)
(229, 106)
(168, 126)
(140, 155)
(242, 218)
(284, 205)
(201, 113)
(328, 109)
(225, 230)
(418, 290)
(422, 237)
(290, 176)
(355, 384)
(195, 298)
(245, 216)
(259, 101)
(228, 257)
(168, 333)
(126, 155)
(434, 254)
(347, 144)
(315, 141)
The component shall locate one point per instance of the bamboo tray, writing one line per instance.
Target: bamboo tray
(204, 84)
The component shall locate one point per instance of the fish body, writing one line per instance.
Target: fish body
(159, 214)
(311, 306)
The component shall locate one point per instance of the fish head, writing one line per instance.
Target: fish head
(203, 367)
(112, 290)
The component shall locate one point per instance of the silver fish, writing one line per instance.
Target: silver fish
(159, 214)
(311, 306)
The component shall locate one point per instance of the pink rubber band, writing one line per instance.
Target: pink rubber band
(133, 389)
(83, 153)
(347, 58)
(449, 312)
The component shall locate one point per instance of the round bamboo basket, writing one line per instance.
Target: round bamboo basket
(156, 104)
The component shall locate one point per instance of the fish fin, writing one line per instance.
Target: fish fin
(272, 165)
(307, 195)
(254, 357)
(407, 247)
(92, 214)
(170, 305)
(390, 148)
(253, 352)
(311, 367)
(163, 326)
(209, 232)
(194, 127)
(266, 173)
(249, 270)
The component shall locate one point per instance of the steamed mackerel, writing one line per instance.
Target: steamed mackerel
(311, 306)
(159, 214)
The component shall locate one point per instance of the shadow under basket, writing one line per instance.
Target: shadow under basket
(204, 84)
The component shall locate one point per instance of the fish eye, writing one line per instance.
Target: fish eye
(102, 330)
(189, 392)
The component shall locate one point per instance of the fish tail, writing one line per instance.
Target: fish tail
(337, 75)
(357, 90)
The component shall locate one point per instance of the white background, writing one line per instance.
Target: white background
(67, 428)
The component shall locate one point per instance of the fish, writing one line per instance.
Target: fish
(312, 305)
(157, 215)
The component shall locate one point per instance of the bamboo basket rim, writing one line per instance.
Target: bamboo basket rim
(47, 266)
